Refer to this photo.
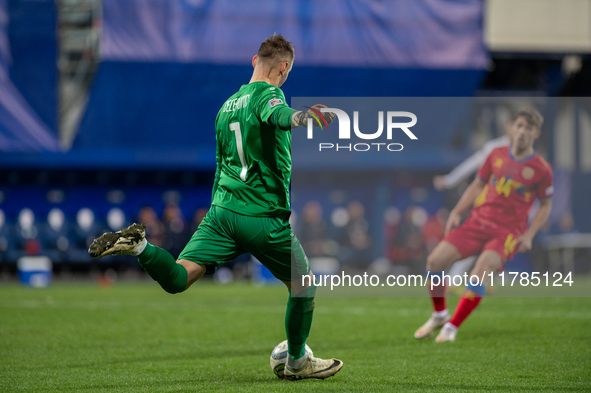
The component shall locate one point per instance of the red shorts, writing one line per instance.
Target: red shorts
(474, 237)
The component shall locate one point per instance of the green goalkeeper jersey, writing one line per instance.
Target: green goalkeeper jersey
(253, 155)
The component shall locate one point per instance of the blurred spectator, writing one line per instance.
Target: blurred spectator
(154, 227)
(355, 240)
(566, 224)
(539, 253)
(84, 232)
(313, 230)
(434, 228)
(392, 219)
(115, 219)
(27, 241)
(409, 238)
(26, 227)
(356, 231)
(197, 218)
(54, 235)
(5, 236)
(175, 229)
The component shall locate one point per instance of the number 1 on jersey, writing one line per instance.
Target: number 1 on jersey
(236, 128)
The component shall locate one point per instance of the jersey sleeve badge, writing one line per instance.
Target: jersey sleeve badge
(274, 102)
(549, 190)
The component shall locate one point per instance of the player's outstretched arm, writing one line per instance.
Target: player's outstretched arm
(469, 165)
(461, 172)
(286, 118)
(281, 118)
(467, 199)
(540, 218)
(319, 118)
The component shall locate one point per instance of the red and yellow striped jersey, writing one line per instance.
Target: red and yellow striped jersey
(511, 188)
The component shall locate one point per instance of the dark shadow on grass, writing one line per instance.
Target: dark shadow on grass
(458, 387)
(226, 382)
(254, 383)
(164, 358)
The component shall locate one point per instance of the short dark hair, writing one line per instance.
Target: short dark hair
(532, 116)
(276, 47)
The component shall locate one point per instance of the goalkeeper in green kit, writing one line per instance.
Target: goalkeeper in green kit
(250, 205)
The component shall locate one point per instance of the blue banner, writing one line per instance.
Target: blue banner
(4, 46)
(168, 65)
(336, 33)
(21, 128)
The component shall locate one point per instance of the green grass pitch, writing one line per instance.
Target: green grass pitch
(134, 337)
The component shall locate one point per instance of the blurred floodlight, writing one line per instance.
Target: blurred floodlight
(571, 64)
(115, 218)
(56, 218)
(339, 217)
(419, 216)
(223, 275)
(392, 216)
(85, 218)
(26, 218)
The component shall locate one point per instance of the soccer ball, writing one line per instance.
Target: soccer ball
(279, 358)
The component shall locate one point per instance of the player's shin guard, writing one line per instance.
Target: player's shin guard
(469, 301)
(298, 321)
(162, 267)
(437, 291)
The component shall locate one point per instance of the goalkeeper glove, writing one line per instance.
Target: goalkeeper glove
(318, 118)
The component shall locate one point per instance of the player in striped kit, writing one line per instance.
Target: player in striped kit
(503, 192)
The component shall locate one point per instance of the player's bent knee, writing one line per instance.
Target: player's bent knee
(173, 287)
(489, 261)
(431, 262)
(444, 255)
(303, 302)
(435, 263)
(308, 292)
(194, 272)
(297, 286)
(178, 279)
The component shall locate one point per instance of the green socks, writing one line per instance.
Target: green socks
(298, 321)
(172, 277)
(162, 267)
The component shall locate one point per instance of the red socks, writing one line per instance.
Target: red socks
(438, 296)
(467, 304)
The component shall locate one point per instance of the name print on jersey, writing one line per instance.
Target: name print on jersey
(236, 103)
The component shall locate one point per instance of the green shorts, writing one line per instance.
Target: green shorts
(223, 235)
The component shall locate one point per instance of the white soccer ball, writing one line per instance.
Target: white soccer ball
(279, 358)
